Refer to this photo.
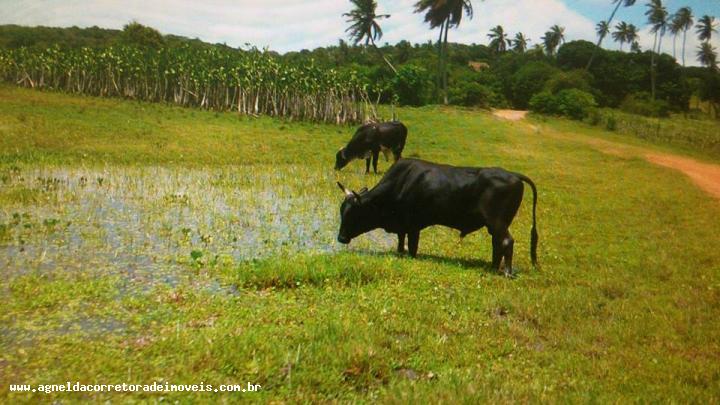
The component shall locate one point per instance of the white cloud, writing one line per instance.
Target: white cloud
(285, 25)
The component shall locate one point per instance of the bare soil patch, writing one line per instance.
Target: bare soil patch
(705, 175)
(511, 115)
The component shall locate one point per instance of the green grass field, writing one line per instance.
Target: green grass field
(142, 243)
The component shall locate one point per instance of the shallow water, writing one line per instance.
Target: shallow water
(144, 223)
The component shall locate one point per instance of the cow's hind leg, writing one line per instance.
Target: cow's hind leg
(413, 242)
(502, 243)
(401, 243)
(367, 166)
(507, 246)
(497, 251)
(375, 156)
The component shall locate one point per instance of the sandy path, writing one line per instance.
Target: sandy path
(512, 115)
(704, 175)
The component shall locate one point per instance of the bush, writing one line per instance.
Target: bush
(471, 94)
(574, 79)
(471, 88)
(134, 33)
(611, 124)
(594, 118)
(530, 80)
(575, 103)
(572, 103)
(544, 103)
(641, 103)
(412, 85)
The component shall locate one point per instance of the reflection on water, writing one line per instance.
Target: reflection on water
(143, 223)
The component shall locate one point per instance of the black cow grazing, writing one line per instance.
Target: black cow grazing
(415, 194)
(369, 140)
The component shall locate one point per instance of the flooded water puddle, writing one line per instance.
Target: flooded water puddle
(149, 224)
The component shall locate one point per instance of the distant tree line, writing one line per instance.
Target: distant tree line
(507, 72)
(139, 63)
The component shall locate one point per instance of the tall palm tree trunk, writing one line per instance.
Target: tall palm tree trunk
(440, 58)
(683, 49)
(445, 56)
(382, 55)
(599, 42)
(652, 67)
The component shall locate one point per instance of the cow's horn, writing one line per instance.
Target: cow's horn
(344, 190)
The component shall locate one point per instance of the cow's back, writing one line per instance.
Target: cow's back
(422, 194)
(392, 133)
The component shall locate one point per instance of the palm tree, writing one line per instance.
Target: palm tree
(618, 3)
(364, 25)
(549, 42)
(657, 17)
(675, 28)
(631, 35)
(559, 33)
(635, 47)
(499, 40)
(602, 28)
(707, 56)
(684, 18)
(520, 43)
(705, 28)
(553, 38)
(445, 14)
(620, 33)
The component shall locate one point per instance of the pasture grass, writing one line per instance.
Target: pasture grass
(206, 254)
(691, 134)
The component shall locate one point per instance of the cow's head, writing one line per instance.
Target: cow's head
(340, 159)
(355, 215)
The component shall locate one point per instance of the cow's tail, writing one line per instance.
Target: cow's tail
(533, 232)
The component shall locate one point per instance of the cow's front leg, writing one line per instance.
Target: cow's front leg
(413, 242)
(367, 165)
(375, 156)
(401, 242)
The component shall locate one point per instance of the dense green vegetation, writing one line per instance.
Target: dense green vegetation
(217, 78)
(477, 75)
(143, 243)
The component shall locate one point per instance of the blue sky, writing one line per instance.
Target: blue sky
(286, 25)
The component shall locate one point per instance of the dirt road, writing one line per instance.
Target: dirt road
(512, 115)
(704, 175)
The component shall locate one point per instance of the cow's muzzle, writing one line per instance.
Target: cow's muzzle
(344, 240)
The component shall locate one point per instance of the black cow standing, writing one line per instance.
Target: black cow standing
(415, 194)
(369, 140)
